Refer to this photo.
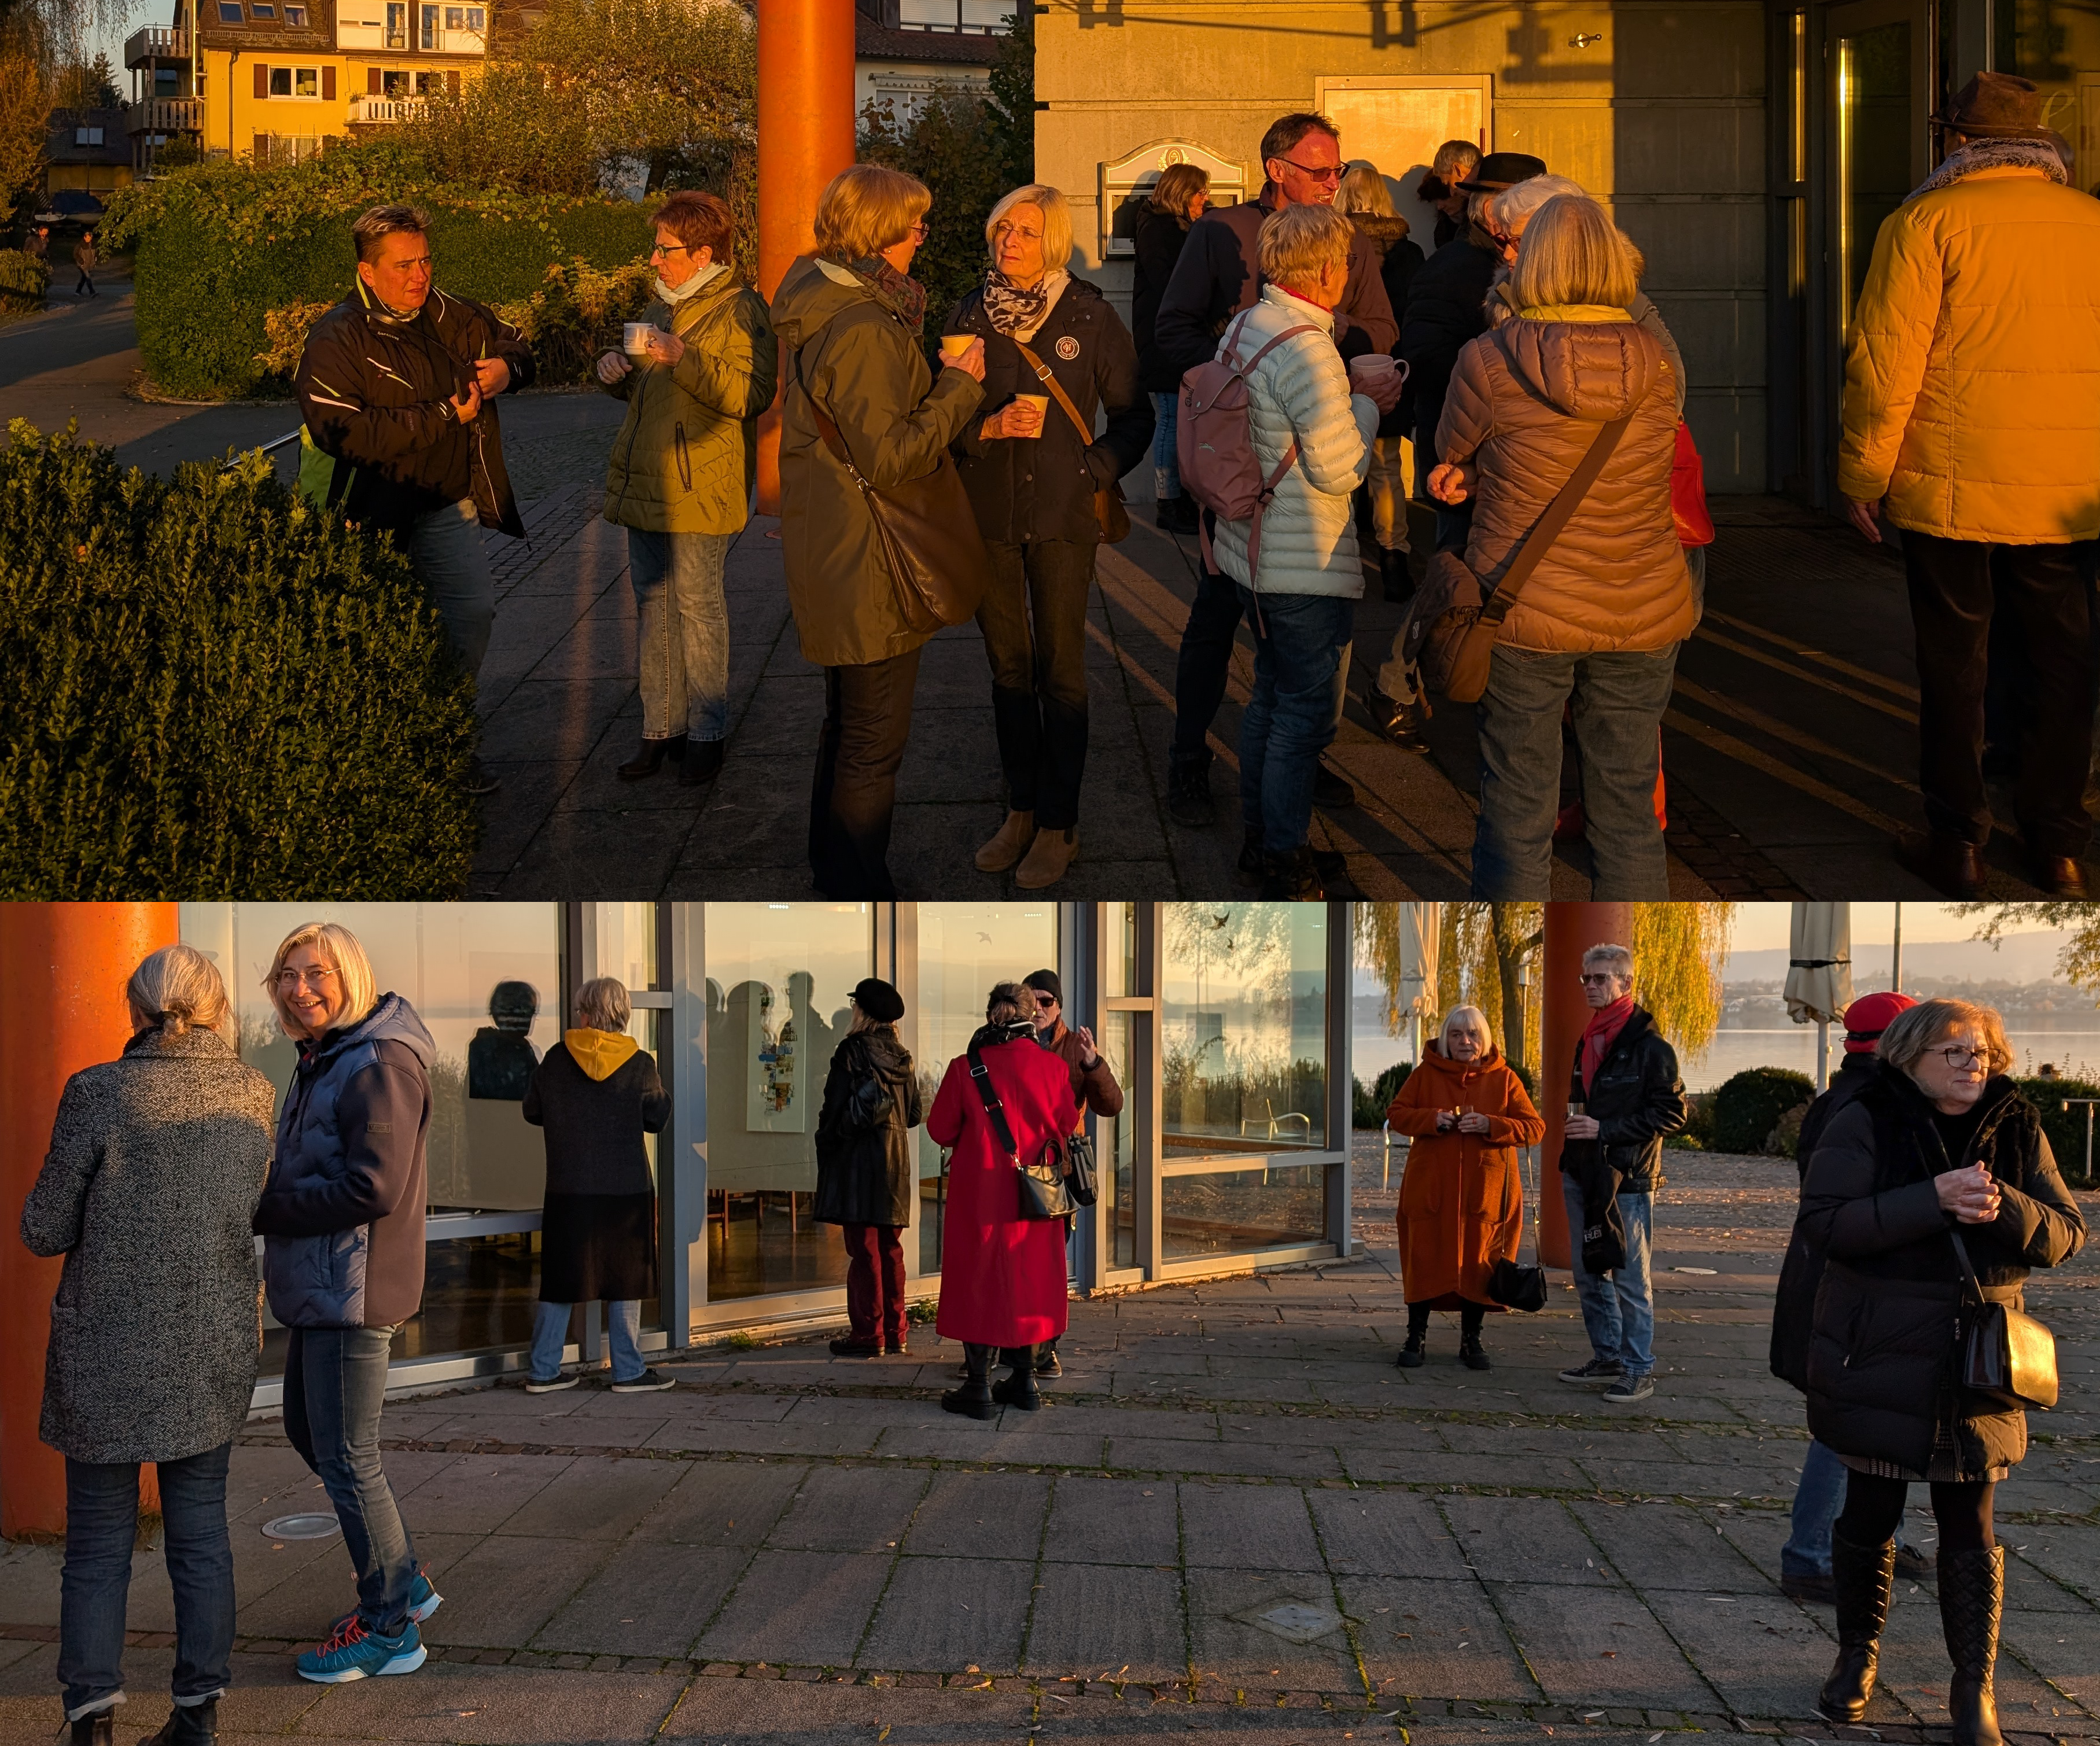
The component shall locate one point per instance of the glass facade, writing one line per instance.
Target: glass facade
(1230, 1212)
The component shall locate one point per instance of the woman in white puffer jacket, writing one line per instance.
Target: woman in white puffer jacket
(1300, 592)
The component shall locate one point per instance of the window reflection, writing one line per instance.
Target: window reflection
(964, 949)
(1224, 1212)
(779, 979)
(1244, 1021)
(1118, 1150)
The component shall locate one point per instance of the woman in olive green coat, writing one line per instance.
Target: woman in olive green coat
(851, 321)
(680, 476)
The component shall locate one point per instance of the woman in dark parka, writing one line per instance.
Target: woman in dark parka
(1178, 199)
(1938, 1155)
(596, 1094)
(865, 1179)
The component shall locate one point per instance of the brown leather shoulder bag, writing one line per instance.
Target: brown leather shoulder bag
(1109, 510)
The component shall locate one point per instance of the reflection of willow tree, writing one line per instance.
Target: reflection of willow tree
(1678, 948)
(1246, 1072)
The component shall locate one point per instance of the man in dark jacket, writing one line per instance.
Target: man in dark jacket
(1446, 307)
(397, 383)
(1624, 1079)
(1093, 1084)
(1215, 278)
(1804, 1560)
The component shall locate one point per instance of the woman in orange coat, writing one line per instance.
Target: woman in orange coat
(1461, 1196)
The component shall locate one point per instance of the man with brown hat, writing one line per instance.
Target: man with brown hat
(1972, 422)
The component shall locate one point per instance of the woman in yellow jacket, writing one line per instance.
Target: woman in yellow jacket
(1461, 1196)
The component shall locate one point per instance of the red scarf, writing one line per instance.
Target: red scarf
(1601, 1033)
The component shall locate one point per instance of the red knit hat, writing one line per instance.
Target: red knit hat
(1869, 1017)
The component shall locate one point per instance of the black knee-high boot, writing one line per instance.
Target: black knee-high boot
(973, 1399)
(1018, 1388)
(1861, 1575)
(1972, 1591)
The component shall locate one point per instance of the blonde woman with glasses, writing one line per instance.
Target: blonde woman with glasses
(156, 1162)
(342, 1223)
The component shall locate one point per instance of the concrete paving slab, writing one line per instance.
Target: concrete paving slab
(980, 1515)
(1599, 1648)
(849, 1510)
(2068, 1552)
(1188, 1456)
(948, 1614)
(1097, 1622)
(804, 1607)
(758, 1712)
(478, 1705)
(1523, 1539)
(1397, 1534)
(1095, 1521)
(596, 1497)
(509, 1586)
(479, 1493)
(722, 1503)
(1246, 1528)
(1441, 1638)
(1764, 1655)
(651, 1598)
(1237, 1656)
(1669, 1546)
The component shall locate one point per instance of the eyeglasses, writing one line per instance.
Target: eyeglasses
(1318, 172)
(1597, 979)
(310, 978)
(669, 248)
(919, 231)
(1962, 1060)
(1004, 229)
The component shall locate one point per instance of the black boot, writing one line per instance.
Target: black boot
(1413, 1354)
(97, 1729)
(1018, 1388)
(1293, 876)
(1972, 1591)
(973, 1399)
(702, 763)
(650, 759)
(1473, 1355)
(1861, 1575)
(1397, 578)
(190, 1725)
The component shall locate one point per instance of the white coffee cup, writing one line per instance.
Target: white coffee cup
(1372, 366)
(635, 337)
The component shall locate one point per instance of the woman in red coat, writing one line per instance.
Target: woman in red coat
(1461, 1196)
(1002, 1276)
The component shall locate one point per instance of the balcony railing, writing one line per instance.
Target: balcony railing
(364, 108)
(156, 43)
(165, 115)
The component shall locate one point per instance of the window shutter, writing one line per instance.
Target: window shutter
(261, 80)
(452, 83)
(375, 82)
(328, 84)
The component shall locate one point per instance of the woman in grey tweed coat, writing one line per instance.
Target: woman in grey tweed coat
(156, 1162)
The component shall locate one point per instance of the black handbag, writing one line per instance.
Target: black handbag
(1082, 1179)
(2006, 1356)
(1043, 1190)
(1517, 1287)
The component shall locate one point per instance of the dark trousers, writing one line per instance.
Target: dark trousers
(85, 288)
(874, 1282)
(1874, 1506)
(1471, 1318)
(1953, 586)
(101, 1527)
(1034, 619)
(335, 1382)
(867, 718)
(1200, 670)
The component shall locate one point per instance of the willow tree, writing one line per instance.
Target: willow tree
(1485, 950)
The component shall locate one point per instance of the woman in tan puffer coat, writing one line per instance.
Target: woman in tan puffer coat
(1601, 616)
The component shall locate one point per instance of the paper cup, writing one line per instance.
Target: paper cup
(1040, 401)
(635, 337)
(955, 345)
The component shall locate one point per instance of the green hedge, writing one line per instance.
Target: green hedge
(2065, 1128)
(1747, 1108)
(23, 279)
(1369, 1103)
(215, 692)
(219, 246)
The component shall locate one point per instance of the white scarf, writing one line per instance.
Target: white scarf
(674, 295)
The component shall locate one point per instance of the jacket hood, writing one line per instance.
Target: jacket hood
(392, 1021)
(811, 293)
(600, 1053)
(1582, 369)
(1384, 231)
(1435, 1060)
(880, 1052)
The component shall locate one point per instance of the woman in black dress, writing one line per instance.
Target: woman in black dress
(1179, 198)
(596, 1094)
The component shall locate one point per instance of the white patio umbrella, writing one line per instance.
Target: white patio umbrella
(1818, 976)
(1420, 924)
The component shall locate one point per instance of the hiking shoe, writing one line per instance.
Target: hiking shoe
(1809, 1585)
(649, 1382)
(352, 1652)
(553, 1385)
(423, 1600)
(1189, 800)
(1596, 1370)
(1629, 1389)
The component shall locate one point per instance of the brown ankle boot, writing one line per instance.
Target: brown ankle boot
(1009, 845)
(1048, 855)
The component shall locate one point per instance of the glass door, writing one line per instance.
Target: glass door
(1879, 53)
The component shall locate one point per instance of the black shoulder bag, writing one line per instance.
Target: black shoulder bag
(2005, 1356)
(1041, 1185)
(1517, 1287)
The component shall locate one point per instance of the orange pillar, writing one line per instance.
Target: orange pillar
(63, 968)
(1571, 930)
(806, 137)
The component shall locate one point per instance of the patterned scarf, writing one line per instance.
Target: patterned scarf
(903, 294)
(1994, 154)
(1014, 309)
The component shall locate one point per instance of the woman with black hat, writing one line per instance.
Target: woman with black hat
(865, 1177)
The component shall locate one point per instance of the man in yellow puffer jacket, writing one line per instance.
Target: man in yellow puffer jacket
(1972, 422)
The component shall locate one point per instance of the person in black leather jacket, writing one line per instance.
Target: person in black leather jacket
(1626, 1082)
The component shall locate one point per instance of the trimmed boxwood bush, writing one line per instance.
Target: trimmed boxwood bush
(219, 246)
(1747, 1108)
(214, 691)
(2065, 1128)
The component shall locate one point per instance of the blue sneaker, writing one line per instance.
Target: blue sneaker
(423, 1600)
(352, 1652)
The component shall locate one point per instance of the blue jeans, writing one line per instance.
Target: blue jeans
(1618, 1312)
(102, 1526)
(335, 1383)
(446, 552)
(1818, 1500)
(550, 1333)
(1619, 699)
(1301, 667)
(677, 580)
(1167, 406)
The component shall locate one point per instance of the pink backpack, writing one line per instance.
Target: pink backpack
(1214, 440)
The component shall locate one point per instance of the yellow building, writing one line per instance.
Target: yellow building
(271, 79)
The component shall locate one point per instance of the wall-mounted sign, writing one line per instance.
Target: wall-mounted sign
(1126, 184)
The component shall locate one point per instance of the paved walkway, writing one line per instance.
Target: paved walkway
(1233, 1516)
